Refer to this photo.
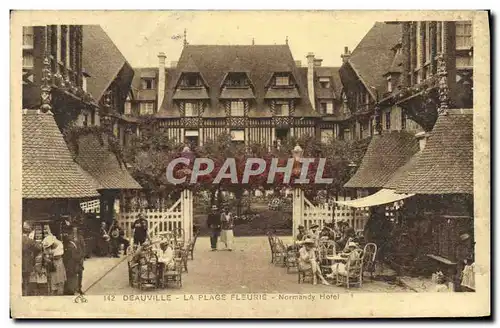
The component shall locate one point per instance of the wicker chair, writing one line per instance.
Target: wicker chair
(191, 246)
(327, 249)
(291, 260)
(272, 245)
(353, 274)
(280, 252)
(148, 273)
(369, 255)
(173, 275)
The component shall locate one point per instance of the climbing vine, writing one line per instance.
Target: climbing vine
(72, 133)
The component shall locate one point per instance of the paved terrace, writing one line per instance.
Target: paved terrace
(247, 269)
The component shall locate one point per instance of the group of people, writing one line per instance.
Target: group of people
(221, 225)
(342, 235)
(51, 266)
(112, 241)
(151, 253)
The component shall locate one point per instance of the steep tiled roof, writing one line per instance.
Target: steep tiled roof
(103, 61)
(49, 171)
(215, 61)
(198, 93)
(386, 153)
(445, 166)
(103, 165)
(374, 55)
(278, 93)
(402, 172)
(237, 93)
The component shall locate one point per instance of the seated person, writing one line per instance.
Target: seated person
(166, 257)
(348, 233)
(307, 261)
(341, 268)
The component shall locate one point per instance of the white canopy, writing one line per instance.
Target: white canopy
(384, 196)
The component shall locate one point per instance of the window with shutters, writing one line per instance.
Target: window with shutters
(463, 34)
(237, 108)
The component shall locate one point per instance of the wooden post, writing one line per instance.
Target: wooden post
(187, 213)
(297, 209)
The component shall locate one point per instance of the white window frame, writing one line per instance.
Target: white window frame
(190, 109)
(28, 35)
(238, 135)
(280, 105)
(127, 110)
(282, 80)
(463, 31)
(144, 84)
(237, 108)
(146, 108)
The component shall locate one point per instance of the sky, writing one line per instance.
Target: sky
(141, 36)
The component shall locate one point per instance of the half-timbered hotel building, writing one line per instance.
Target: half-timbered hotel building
(74, 78)
(257, 93)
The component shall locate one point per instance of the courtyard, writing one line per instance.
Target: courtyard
(245, 270)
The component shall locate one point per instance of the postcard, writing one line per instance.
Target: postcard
(250, 164)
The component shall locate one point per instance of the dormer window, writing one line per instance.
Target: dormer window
(282, 80)
(237, 80)
(389, 84)
(324, 82)
(148, 84)
(191, 80)
(281, 108)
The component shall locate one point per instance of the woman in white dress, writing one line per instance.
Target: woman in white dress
(227, 236)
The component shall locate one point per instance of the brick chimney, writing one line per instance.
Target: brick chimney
(161, 79)
(346, 55)
(310, 79)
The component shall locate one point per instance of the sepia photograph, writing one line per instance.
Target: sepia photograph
(243, 158)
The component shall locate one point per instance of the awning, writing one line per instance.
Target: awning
(384, 196)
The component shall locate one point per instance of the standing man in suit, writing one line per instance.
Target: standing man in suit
(214, 223)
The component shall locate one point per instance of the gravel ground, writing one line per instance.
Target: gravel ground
(247, 269)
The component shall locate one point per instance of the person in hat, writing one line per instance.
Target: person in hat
(301, 235)
(73, 263)
(140, 229)
(214, 224)
(30, 250)
(166, 256)
(313, 233)
(54, 251)
(307, 260)
(227, 236)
